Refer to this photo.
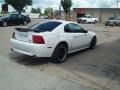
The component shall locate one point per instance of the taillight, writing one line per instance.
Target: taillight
(38, 39)
(13, 36)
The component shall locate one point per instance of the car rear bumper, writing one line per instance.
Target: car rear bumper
(31, 49)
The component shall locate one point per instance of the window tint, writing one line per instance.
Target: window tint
(46, 26)
(89, 16)
(73, 28)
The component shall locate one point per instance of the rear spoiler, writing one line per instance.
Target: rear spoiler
(27, 29)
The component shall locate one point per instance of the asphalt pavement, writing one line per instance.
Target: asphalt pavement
(97, 69)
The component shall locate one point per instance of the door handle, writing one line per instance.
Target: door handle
(75, 36)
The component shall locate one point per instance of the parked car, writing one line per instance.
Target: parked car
(111, 21)
(55, 39)
(87, 19)
(14, 19)
(118, 21)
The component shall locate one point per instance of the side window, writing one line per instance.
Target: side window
(73, 28)
(89, 17)
(14, 16)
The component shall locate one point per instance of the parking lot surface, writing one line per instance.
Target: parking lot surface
(97, 69)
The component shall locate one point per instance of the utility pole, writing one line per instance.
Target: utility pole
(60, 10)
(100, 17)
(69, 11)
(117, 3)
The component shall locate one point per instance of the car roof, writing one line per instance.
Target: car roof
(64, 22)
(61, 21)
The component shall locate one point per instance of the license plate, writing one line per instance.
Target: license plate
(22, 36)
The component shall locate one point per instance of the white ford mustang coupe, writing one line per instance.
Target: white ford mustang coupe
(54, 38)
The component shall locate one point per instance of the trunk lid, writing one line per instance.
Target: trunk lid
(25, 34)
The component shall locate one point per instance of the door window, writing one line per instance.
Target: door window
(73, 28)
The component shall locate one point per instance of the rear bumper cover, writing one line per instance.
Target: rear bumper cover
(31, 49)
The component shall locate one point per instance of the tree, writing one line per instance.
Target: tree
(66, 4)
(39, 10)
(34, 10)
(18, 5)
(48, 11)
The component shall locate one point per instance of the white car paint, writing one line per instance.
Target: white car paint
(88, 19)
(75, 41)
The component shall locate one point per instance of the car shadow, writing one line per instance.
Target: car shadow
(27, 60)
(103, 61)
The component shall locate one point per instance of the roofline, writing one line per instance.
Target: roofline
(62, 21)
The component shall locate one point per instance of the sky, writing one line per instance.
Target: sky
(76, 4)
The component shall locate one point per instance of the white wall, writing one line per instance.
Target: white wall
(32, 15)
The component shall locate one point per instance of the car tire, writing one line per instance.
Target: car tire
(85, 22)
(106, 24)
(5, 24)
(78, 21)
(95, 21)
(114, 24)
(93, 42)
(25, 23)
(60, 54)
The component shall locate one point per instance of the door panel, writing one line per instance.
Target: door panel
(76, 36)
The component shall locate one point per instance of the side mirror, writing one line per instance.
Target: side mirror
(85, 31)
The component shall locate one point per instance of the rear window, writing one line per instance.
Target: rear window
(46, 26)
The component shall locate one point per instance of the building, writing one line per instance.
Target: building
(101, 13)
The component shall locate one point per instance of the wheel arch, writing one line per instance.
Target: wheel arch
(94, 36)
(53, 54)
(63, 42)
(90, 46)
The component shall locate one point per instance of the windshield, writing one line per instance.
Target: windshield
(45, 26)
(84, 16)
